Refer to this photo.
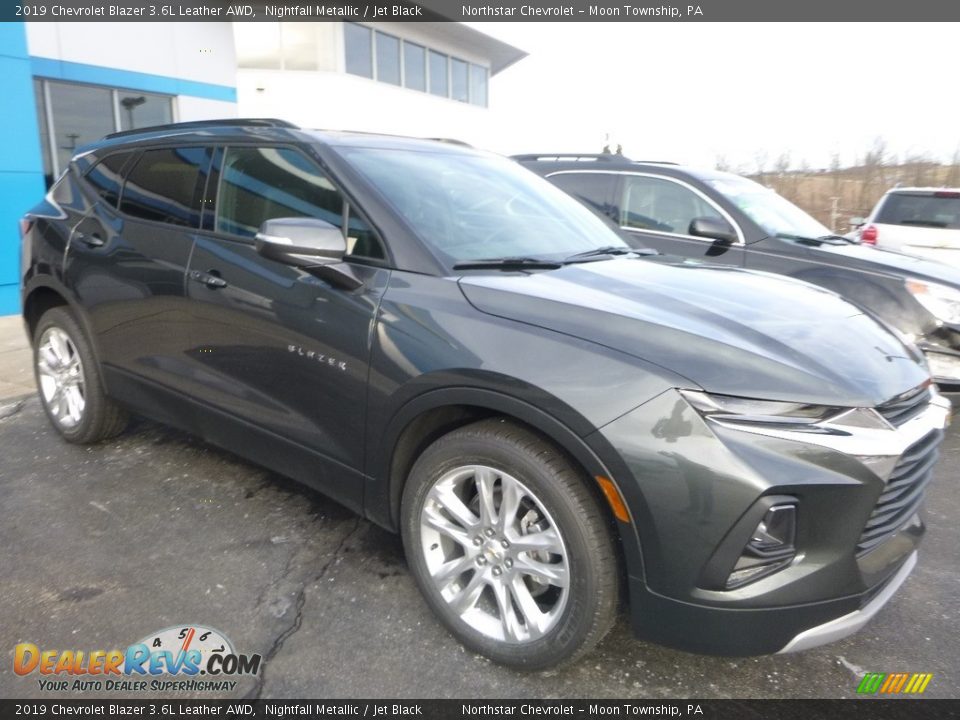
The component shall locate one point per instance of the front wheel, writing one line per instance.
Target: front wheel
(69, 382)
(509, 546)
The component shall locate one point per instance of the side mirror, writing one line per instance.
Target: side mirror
(301, 241)
(714, 229)
(857, 222)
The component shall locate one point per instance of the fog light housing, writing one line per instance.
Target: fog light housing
(770, 548)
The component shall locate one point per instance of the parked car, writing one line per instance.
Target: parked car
(449, 345)
(728, 219)
(916, 221)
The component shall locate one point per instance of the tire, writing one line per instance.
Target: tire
(559, 552)
(68, 381)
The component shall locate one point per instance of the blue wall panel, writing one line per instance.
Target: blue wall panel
(21, 164)
(99, 75)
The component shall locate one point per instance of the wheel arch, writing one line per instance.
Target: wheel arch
(433, 414)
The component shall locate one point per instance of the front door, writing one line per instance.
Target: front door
(279, 349)
(658, 211)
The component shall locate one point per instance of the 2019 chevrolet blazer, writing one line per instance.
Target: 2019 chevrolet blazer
(449, 345)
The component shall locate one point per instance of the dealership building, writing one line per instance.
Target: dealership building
(67, 84)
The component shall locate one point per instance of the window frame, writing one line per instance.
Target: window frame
(620, 193)
(211, 202)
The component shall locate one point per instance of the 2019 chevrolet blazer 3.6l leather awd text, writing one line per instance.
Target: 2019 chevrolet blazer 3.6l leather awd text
(449, 345)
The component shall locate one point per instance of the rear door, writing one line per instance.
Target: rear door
(658, 210)
(278, 349)
(127, 262)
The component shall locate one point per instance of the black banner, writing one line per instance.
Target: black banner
(480, 11)
(859, 709)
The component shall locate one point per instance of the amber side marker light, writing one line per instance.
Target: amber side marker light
(614, 498)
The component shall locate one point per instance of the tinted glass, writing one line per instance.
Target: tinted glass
(359, 49)
(388, 59)
(140, 110)
(81, 114)
(459, 84)
(164, 186)
(259, 184)
(593, 190)
(414, 66)
(478, 85)
(438, 73)
(105, 177)
(469, 207)
(934, 210)
(655, 204)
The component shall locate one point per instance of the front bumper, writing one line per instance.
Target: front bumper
(850, 623)
(696, 490)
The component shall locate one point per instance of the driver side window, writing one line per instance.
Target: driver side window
(265, 183)
(655, 204)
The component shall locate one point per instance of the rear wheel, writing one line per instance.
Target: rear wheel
(509, 546)
(69, 382)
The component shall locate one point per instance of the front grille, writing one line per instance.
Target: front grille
(905, 406)
(903, 494)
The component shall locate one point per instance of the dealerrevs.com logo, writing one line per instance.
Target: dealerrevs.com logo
(186, 658)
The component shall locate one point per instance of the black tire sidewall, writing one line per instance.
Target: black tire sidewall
(460, 449)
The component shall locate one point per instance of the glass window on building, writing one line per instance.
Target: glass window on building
(358, 45)
(438, 74)
(414, 66)
(73, 114)
(459, 82)
(81, 114)
(478, 85)
(388, 59)
(140, 110)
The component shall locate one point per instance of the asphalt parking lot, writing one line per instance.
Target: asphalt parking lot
(103, 545)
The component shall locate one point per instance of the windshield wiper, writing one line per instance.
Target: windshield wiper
(509, 263)
(841, 238)
(608, 250)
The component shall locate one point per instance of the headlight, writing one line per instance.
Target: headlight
(939, 300)
(747, 410)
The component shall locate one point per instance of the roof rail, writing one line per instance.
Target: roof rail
(195, 124)
(571, 157)
(451, 141)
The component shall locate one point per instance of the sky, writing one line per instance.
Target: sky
(744, 92)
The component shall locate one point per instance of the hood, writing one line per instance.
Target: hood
(867, 257)
(728, 331)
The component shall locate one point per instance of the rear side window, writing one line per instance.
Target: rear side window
(165, 186)
(105, 177)
(265, 183)
(934, 210)
(595, 190)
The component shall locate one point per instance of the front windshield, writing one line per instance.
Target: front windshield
(772, 212)
(472, 207)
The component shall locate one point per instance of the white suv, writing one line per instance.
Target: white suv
(916, 221)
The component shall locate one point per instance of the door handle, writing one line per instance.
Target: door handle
(211, 279)
(92, 240)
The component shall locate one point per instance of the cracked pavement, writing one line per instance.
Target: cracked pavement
(105, 544)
